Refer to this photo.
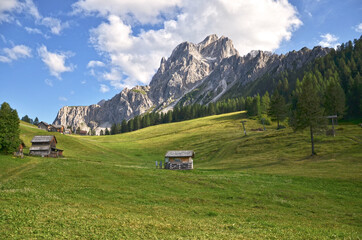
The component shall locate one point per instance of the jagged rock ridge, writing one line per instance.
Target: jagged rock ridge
(206, 71)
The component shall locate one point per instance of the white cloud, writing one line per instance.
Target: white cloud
(33, 30)
(54, 24)
(55, 61)
(135, 58)
(18, 51)
(8, 7)
(48, 82)
(104, 88)
(83, 82)
(93, 63)
(329, 40)
(64, 99)
(143, 11)
(358, 28)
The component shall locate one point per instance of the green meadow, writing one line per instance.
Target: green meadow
(261, 186)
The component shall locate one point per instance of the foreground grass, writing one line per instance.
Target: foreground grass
(260, 186)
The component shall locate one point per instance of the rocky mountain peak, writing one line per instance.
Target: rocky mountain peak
(194, 73)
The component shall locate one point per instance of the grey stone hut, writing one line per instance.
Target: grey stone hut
(179, 160)
(45, 146)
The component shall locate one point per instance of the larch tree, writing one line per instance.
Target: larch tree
(277, 108)
(309, 112)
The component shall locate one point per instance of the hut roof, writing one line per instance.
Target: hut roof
(44, 123)
(42, 139)
(186, 153)
(57, 126)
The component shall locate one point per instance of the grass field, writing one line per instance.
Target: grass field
(261, 186)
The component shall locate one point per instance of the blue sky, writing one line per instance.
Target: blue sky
(66, 53)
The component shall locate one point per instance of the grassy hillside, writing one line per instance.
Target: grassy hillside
(260, 186)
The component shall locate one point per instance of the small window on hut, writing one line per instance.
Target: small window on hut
(167, 159)
(177, 160)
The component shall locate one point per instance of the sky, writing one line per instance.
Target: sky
(71, 53)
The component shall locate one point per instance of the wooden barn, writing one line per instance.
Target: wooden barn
(44, 126)
(56, 128)
(179, 160)
(45, 146)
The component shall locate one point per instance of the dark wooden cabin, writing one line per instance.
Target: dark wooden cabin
(44, 126)
(56, 128)
(45, 146)
(179, 160)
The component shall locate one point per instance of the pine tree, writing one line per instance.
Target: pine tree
(101, 133)
(27, 119)
(107, 132)
(36, 121)
(265, 103)
(124, 126)
(334, 99)
(278, 109)
(9, 129)
(309, 113)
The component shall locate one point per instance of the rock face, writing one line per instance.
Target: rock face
(204, 71)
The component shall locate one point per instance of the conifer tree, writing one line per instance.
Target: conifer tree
(309, 113)
(278, 109)
(334, 99)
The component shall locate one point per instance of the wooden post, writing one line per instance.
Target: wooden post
(262, 120)
(244, 127)
(334, 133)
(333, 117)
(156, 164)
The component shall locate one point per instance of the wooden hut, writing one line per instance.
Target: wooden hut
(44, 126)
(56, 128)
(179, 160)
(45, 146)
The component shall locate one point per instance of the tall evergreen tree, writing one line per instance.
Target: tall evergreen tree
(36, 121)
(9, 129)
(107, 132)
(278, 109)
(124, 126)
(309, 113)
(27, 119)
(265, 103)
(334, 99)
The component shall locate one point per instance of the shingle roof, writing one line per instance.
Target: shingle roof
(37, 139)
(186, 153)
(44, 123)
(57, 126)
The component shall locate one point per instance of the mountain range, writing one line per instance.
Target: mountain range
(194, 73)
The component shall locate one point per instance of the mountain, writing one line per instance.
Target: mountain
(194, 73)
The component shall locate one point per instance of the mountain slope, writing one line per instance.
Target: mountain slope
(194, 73)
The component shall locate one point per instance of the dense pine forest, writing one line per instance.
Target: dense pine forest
(334, 80)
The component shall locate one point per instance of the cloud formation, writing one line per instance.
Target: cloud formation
(14, 53)
(9, 7)
(55, 61)
(358, 28)
(134, 58)
(329, 40)
(93, 64)
(103, 88)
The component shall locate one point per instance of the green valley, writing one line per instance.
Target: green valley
(261, 186)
